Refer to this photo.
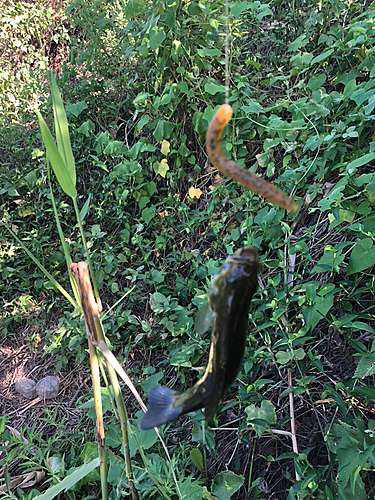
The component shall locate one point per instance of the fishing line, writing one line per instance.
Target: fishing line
(226, 49)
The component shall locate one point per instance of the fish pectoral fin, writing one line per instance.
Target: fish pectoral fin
(160, 408)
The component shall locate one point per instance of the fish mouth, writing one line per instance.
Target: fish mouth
(247, 254)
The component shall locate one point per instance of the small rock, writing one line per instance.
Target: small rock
(48, 387)
(26, 387)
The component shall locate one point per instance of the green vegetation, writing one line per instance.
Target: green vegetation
(140, 81)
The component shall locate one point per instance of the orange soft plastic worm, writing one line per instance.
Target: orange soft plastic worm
(234, 171)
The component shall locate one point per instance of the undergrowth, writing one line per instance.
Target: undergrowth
(141, 83)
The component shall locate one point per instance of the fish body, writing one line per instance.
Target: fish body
(229, 298)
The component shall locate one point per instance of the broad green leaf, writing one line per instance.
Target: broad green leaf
(163, 130)
(257, 65)
(191, 490)
(238, 7)
(151, 381)
(298, 43)
(133, 8)
(362, 256)
(314, 313)
(86, 127)
(301, 59)
(148, 214)
(62, 132)
(366, 366)
(197, 459)
(225, 484)
(126, 169)
(353, 165)
(142, 122)
(334, 195)
(323, 56)
(261, 417)
(156, 37)
(181, 356)
(141, 98)
(312, 143)
(316, 81)
(283, 357)
(209, 52)
(56, 160)
(252, 107)
(77, 108)
(214, 88)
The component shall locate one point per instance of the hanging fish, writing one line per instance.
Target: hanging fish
(229, 297)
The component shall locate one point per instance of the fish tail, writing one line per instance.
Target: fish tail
(160, 408)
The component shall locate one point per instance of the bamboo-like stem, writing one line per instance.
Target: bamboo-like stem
(99, 418)
(91, 310)
(121, 410)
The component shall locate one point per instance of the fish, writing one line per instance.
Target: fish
(229, 297)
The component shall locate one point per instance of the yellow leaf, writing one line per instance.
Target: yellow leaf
(165, 147)
(195, 193)
(25, 211)
(163, 167)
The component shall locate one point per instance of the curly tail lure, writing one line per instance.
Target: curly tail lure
(234, 171)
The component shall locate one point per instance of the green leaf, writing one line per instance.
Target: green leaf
(209, 52)
(323, 56)
(57, 162)
(252, 107)
(261, 417)
(197, 459)
(163, 130)
(69, 481)
(213, 88)
(283, 357)
(353, 165)
(313, 314)
(362, 256)
(298, 43)
(134, 8)
(190, 490)
(316, 81)
(148, 214)
(151, 381)
(62, 132)
(181, 356)
(156, 37)
(76, 109)
(225, 484)
(86, 127)
(85, 209)
(238, 7)
(142, 122)
(141, 98)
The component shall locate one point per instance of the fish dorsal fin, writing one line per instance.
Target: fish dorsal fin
(203, 319)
